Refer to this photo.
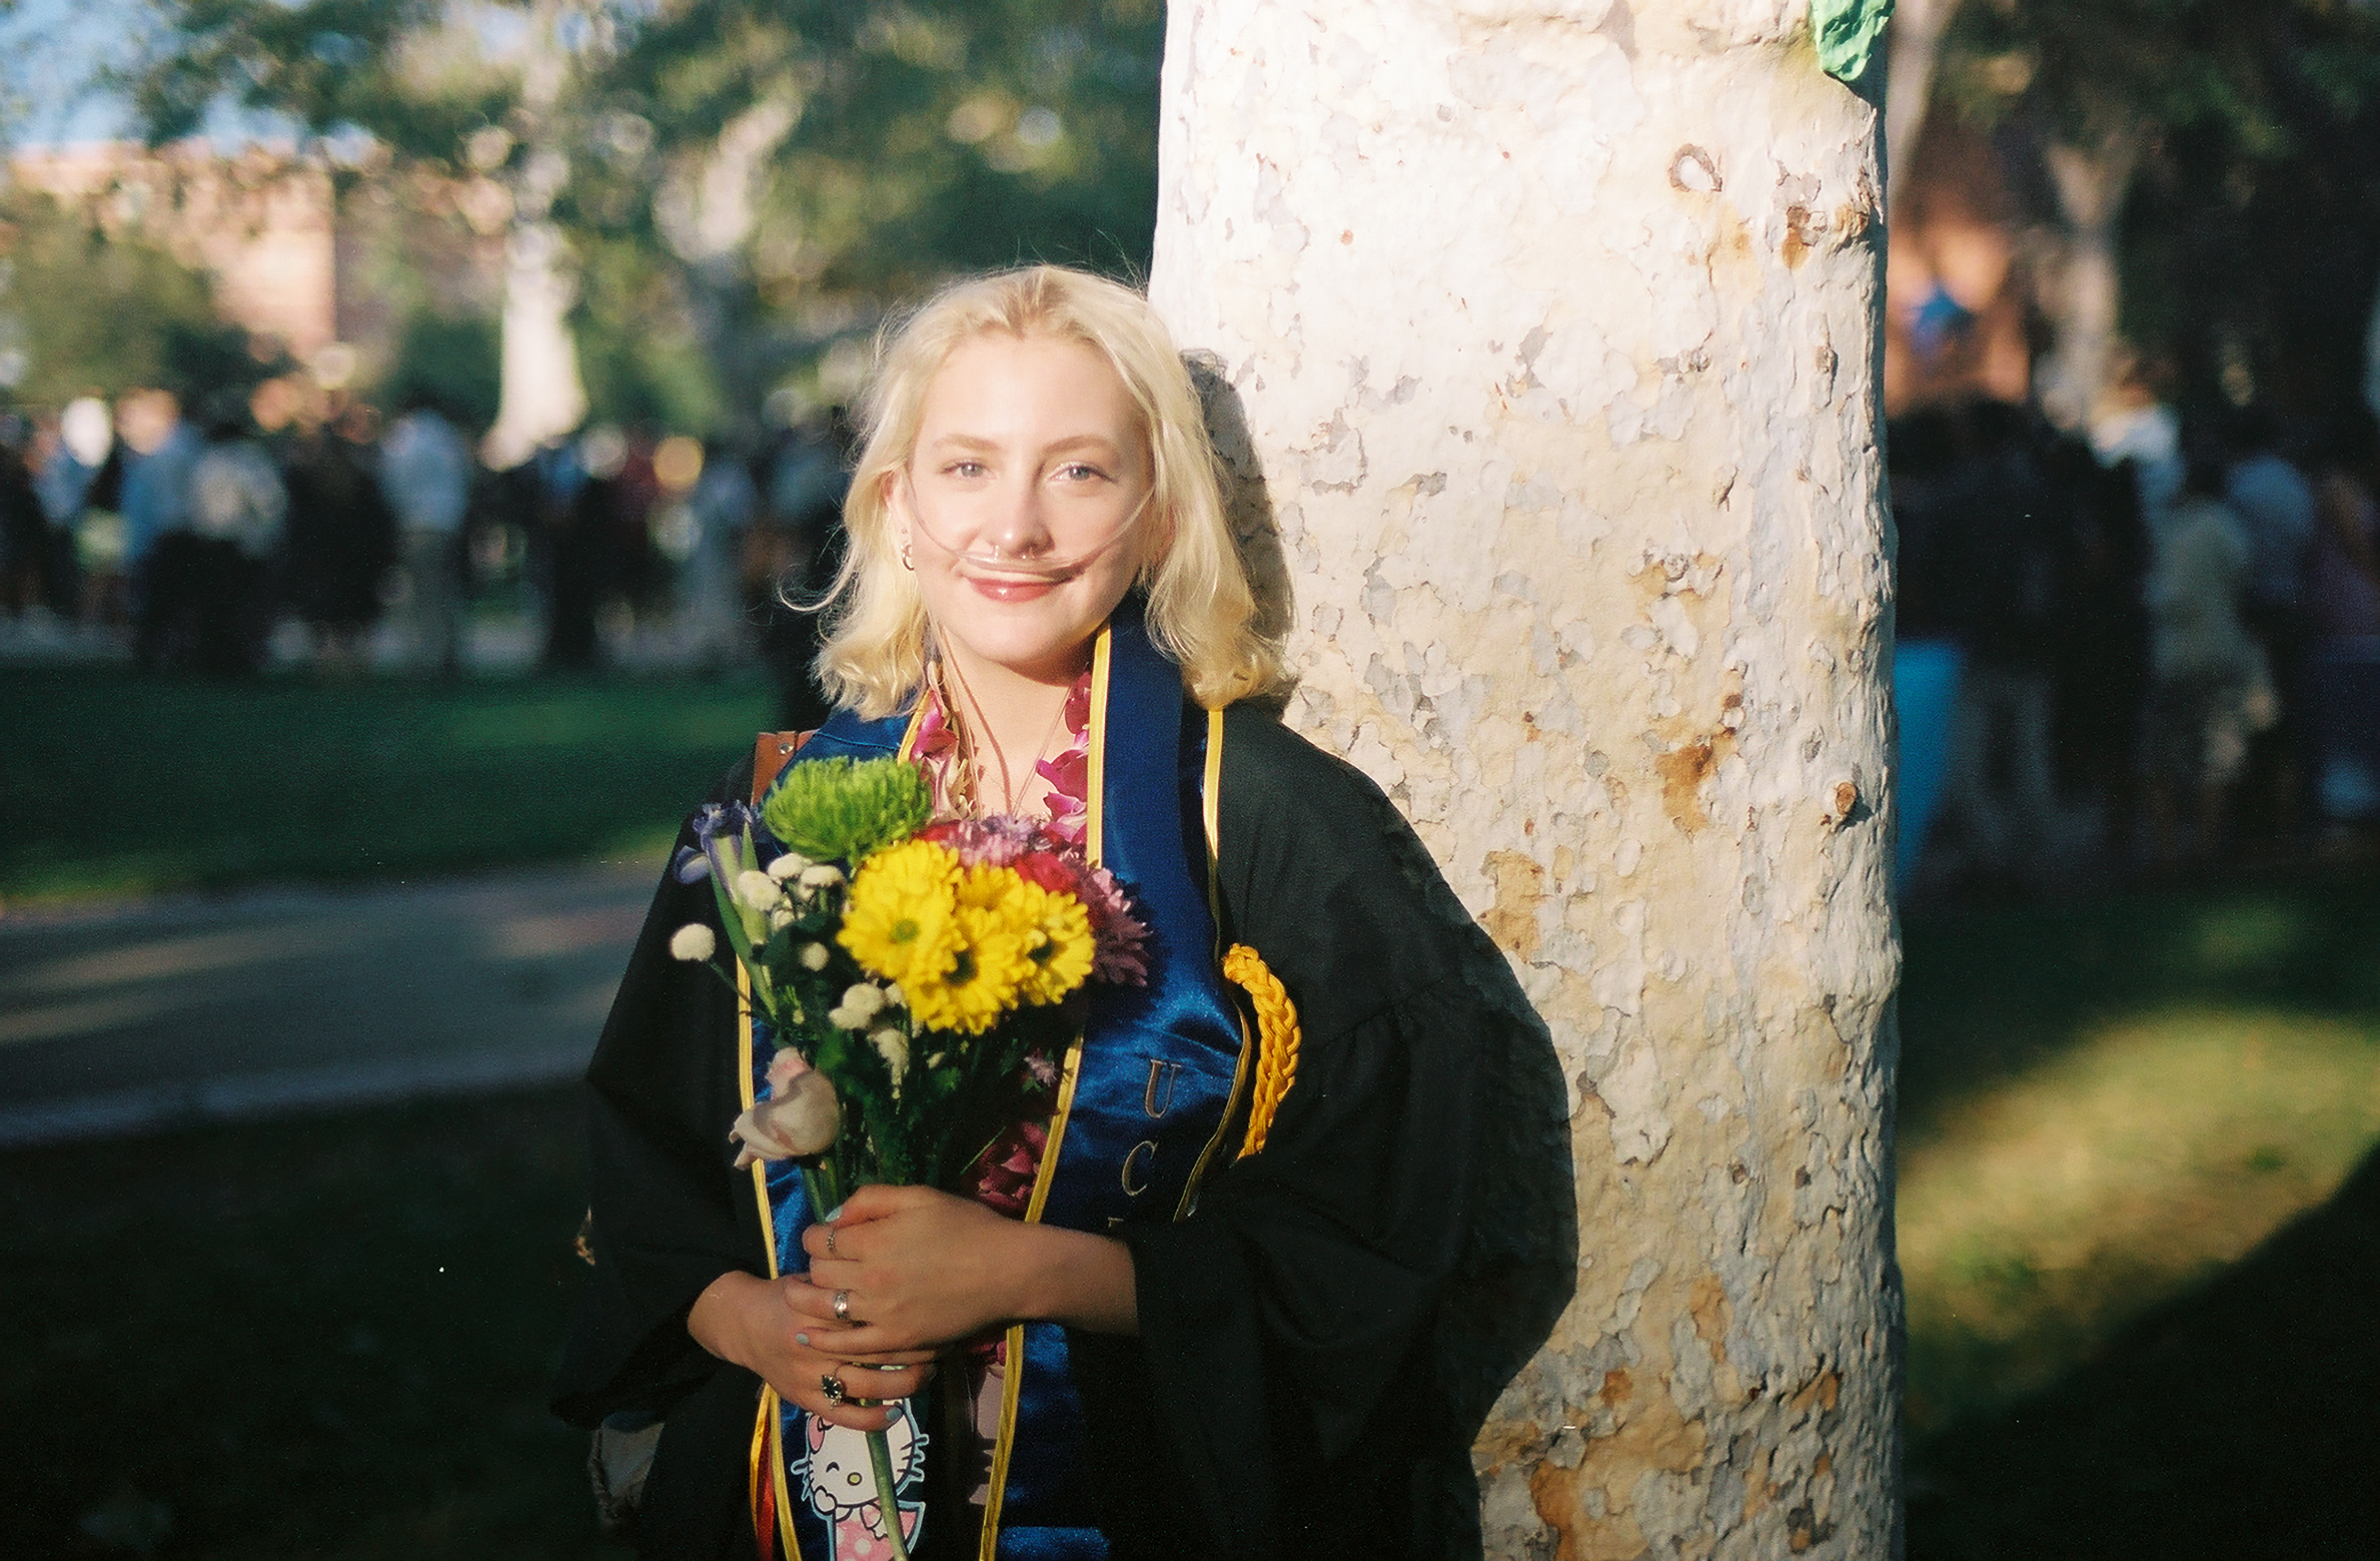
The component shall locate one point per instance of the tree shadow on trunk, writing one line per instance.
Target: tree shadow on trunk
(1248, 503)
(1520, 1260)
(2240, 1420)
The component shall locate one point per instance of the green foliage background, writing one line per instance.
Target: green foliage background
(110, 314)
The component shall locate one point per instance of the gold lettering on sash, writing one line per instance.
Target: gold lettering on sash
(1148, 1148)
(1158, 1069)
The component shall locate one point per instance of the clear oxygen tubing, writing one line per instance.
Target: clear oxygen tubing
(996, 562)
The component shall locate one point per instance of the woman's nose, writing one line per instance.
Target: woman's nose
(1018, 527)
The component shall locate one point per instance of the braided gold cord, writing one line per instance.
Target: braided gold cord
(1277, 1039)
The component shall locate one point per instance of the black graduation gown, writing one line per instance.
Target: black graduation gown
(1277, 1402)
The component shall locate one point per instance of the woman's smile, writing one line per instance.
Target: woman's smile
(1011, 590)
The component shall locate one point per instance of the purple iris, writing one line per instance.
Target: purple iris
(722, 833)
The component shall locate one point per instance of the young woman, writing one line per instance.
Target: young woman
(1211, 1337)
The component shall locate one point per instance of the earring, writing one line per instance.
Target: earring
(904, 557)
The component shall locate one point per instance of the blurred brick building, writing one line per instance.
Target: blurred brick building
(303, 253)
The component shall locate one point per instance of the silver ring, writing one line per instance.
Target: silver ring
(830, 1241)
(843, 1306)
(831, 1385)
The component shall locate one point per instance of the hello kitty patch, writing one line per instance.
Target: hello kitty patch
(836, 1479)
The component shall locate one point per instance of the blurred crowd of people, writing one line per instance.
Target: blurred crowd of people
(292, 523)
(2160, 644)
(2156, 644)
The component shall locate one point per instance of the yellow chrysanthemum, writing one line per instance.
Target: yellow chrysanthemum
(981, 981)
(900, 921)
(1058, 942)
(987, 888)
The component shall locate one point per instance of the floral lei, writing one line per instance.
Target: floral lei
(940, 750)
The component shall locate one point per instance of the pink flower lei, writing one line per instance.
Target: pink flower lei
(1068, 771)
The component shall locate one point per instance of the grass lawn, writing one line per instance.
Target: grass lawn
(2139, 1212)
(230, 782)
(2142, 1263)
(326, 1338)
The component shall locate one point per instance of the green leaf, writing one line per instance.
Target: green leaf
(1848, 31)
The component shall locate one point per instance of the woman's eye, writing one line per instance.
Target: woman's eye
(965, 469)
(1080, 471)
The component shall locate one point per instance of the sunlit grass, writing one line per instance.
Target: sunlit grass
(2053, 1208)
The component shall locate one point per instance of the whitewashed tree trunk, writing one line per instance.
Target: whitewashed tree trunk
(2084, 306)
(1554, 326)
(541, 395)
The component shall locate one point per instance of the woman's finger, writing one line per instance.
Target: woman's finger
(860, 1346)
(840, 1407)
(813, 1295)
(876, 1201)
(844, 1242)
(859, 1391)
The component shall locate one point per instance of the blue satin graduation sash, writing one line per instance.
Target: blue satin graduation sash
(1143, 1098)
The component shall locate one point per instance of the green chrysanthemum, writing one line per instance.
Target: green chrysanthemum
(842, 809)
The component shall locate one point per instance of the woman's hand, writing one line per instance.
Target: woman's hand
(749, 1321)
(922, 1270)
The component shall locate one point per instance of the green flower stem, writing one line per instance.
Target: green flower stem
(823, 1184)
(888, 1501)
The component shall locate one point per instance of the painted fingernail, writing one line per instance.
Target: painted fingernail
(835, 1214)
(801, 1339)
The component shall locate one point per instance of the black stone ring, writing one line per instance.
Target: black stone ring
(831, 1385)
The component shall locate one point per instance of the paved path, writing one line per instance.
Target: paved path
(132, 1018)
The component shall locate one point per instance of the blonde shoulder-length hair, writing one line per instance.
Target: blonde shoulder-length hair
(1200, 609)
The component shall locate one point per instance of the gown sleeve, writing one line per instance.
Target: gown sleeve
(1277, 1402)
(665, 1221)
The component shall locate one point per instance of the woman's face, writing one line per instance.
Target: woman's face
(1021, 504)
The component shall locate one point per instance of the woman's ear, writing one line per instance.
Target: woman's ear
(888, 493)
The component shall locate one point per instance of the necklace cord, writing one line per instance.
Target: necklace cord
(969, 766)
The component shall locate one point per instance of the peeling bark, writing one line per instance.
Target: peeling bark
(1545, 344)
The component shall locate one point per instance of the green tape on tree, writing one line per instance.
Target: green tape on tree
(1847, 32)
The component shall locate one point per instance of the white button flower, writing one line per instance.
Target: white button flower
(692, 942)
(813, 956)
(893, 1047)
(757, 891)
(821, 875)
(861, 1003)
(788, 865)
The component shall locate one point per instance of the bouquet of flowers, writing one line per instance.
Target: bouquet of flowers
(915, 976)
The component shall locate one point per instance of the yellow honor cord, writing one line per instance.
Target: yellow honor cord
(1278, 1036)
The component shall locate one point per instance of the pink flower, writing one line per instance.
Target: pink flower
(785, 1068)
(1009, 1166)
(1121, 941)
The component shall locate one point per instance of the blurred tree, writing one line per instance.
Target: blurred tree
(806, 161)
(94, 311)
(918, 137)
(775, 170)
(2097, 85)
(473, 88)
(456, 362)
